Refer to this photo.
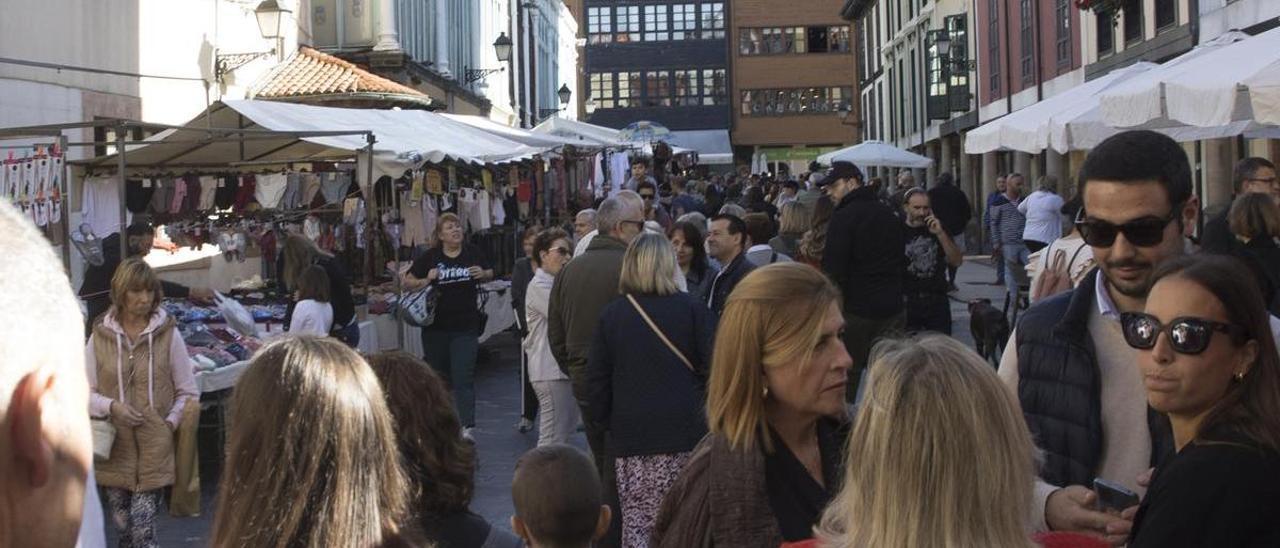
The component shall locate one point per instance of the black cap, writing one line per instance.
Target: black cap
(840, 170)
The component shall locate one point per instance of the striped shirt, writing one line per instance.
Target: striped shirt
(1008, 223)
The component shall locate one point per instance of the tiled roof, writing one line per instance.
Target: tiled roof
(309, 72)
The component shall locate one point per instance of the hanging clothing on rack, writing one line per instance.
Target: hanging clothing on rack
(334, 187)
(244, 195)
(208, 188)
(310, 187)
(138, 194)
(228, 188)
(162, 198)
(292, 190)
(194, 190)
(100, 205)
(619, 172)
(269, 189)
(415, 226)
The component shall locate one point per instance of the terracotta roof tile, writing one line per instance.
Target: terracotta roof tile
(311, 72)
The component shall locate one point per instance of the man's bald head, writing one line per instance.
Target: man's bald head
(45, 441)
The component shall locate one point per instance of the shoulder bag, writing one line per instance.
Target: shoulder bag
(660, 335)
(418, 308)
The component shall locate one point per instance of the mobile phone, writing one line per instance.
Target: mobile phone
(1112, 496)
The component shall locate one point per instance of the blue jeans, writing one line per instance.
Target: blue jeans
(452, 354)
(1015, 257)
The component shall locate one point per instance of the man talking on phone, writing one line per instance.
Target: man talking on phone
(929, 252)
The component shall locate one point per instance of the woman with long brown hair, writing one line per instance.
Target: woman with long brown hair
(296, 254)
(312, 457)
(439, 464)
(814, 241)
(1208, 360)
(775, 411)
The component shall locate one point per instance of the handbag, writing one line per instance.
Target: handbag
(104, 437)
(660, 335)
(418, 308)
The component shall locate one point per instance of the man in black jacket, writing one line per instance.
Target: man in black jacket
(1251, 175)
(727, 242)
(864, 258)
(951, 206)
(95, 289)
(1083, 399)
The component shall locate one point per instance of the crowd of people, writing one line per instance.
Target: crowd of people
(764, 364)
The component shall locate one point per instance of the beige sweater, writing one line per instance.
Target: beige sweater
(1126, 440)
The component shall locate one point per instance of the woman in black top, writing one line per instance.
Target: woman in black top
(1255, 221)
(450, 343)
(1208, 361)
(649, 394)
(691, 258)
(298, 253)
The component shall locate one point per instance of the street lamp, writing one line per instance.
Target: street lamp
(501, 49)
(563, 93)
(269, 15)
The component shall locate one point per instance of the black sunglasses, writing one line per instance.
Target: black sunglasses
(1187, 335)
(646, 196)
(1141, 232)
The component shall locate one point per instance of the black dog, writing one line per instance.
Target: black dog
(989, 328)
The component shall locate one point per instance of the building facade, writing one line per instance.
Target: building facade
(794, 74)
(665, 62)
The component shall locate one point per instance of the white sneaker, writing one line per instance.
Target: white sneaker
(466, 434)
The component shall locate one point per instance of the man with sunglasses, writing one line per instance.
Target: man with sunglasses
(1069, 363)
(653, 211)
(1251, 176)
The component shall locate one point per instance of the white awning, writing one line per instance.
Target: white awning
(584, 133)
(876, 153)
(519, 135)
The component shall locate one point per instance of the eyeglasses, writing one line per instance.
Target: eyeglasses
(563, 251)
(1141, 232)
(1187, 335)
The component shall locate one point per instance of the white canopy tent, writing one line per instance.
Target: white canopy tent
(516, 134)
(876, 153)
(1075, 119)
(404, 139)
(1208, 90)
(584, 133)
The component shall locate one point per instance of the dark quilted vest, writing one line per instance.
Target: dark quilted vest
(1058, 387)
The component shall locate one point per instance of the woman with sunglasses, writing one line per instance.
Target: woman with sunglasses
(1208, 362)
(557, 409)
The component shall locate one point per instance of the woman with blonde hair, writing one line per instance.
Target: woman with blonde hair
(814, 241)
(140, 377)
(775, 411)
(312, 458)
(645, 376)
(795, 219)
(939, 454)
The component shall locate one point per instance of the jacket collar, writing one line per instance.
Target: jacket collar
(158, 320)
(541, 276)
(605, 241)
(864, 193)
(1075, 322)
(737, 481)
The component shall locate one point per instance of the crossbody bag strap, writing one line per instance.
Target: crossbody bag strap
(659, 333)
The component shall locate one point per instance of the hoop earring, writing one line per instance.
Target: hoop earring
(1239, 376)
(765, 393)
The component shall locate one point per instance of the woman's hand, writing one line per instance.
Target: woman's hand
(126, 415)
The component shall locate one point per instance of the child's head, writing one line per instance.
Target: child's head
(313, 284)
(557, 497)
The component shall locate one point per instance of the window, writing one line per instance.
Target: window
(784, 40)
(795, 101)
(860, 36)
(685, 87)
(1106, 33)
(935, 104)
(657, 88)
(656, 25)
(838, 39)
(599, 25)
(602, 89)
(684, 21)
(628, 22)
(1062, 23)
(915, 93)
(1166, 14)
(1132, 21)
(958, 82)
(714, 90)
(1028, 46)
(993, 48)
(711, 15)
(628, 89)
